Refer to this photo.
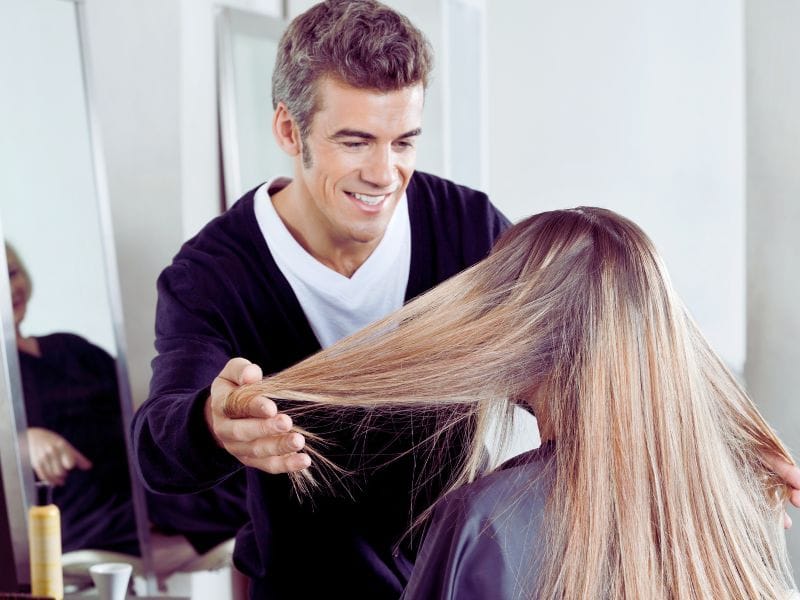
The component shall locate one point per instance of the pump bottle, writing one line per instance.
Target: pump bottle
(44, 539)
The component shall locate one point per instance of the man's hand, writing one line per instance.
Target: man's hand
(790, 475)
(256, 434)
(53, 457)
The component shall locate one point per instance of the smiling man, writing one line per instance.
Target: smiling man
(295, 265)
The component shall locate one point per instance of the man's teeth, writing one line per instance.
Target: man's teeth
(370, 200)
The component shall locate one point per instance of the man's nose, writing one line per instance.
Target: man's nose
(380, 169)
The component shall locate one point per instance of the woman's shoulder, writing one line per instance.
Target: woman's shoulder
(483, 537)
(525, 478)
(504, 506)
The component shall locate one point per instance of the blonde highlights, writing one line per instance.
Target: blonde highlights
(660, 488)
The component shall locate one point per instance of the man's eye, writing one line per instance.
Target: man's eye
(404, 144)
(354, 144)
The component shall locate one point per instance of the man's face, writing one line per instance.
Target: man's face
(361, 146)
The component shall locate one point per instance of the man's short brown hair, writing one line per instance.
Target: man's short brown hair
(361, 43)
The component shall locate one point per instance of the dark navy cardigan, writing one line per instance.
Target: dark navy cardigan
(71, 389)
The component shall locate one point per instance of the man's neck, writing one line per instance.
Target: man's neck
(344, 257)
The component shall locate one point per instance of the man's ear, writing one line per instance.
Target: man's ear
(285, 130)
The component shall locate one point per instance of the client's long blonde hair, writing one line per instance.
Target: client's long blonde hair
(661, 489)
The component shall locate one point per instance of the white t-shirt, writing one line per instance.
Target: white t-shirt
(335, 305)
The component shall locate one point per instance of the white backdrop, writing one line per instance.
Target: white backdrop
(47, 197)
(638, 107)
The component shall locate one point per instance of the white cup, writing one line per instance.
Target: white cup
(111, 580)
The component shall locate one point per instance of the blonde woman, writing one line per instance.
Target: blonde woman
(654, 479)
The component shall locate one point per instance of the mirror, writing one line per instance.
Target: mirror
(64, 363)
(247, 45)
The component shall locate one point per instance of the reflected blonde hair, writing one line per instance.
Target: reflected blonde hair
(661, 489)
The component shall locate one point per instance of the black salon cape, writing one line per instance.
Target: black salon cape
(71, 389)
(223, 296)
(483, 541)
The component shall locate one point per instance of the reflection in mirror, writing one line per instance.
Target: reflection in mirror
(16, 479)
(66, 320)
(74, 427)
(247, 46)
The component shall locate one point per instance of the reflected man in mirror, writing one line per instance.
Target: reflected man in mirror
(75, 435)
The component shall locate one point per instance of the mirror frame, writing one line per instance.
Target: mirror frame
(15, 464)
(230, 21)
(16, 469)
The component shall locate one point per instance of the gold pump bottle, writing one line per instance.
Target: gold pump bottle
(44, 539)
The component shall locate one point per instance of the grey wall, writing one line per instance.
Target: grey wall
(48, 204)
(136, 60)
(638, 107)
(772, 369)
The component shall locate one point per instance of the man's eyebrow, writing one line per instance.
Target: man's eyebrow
(342, 133)
(355, 133)
(412, 133)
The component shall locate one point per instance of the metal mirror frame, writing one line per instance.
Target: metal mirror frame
(230, 21)
(16, 469)
(15, 462)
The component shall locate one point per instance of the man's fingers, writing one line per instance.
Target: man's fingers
(249, 430)
(67, 460)
(40, 473)
(54, 473)
(270, 446)
(794, 498)
(239, 405)
(250, 374)
(70, 457)
(249, 427)
(239, 371)
(288, 463)
(789, 473)
(233, 404)
(277, 445)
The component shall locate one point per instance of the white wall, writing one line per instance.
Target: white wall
(773, 220)
(635, 106)
(201, 198)
(48, 205)
(136, 60)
